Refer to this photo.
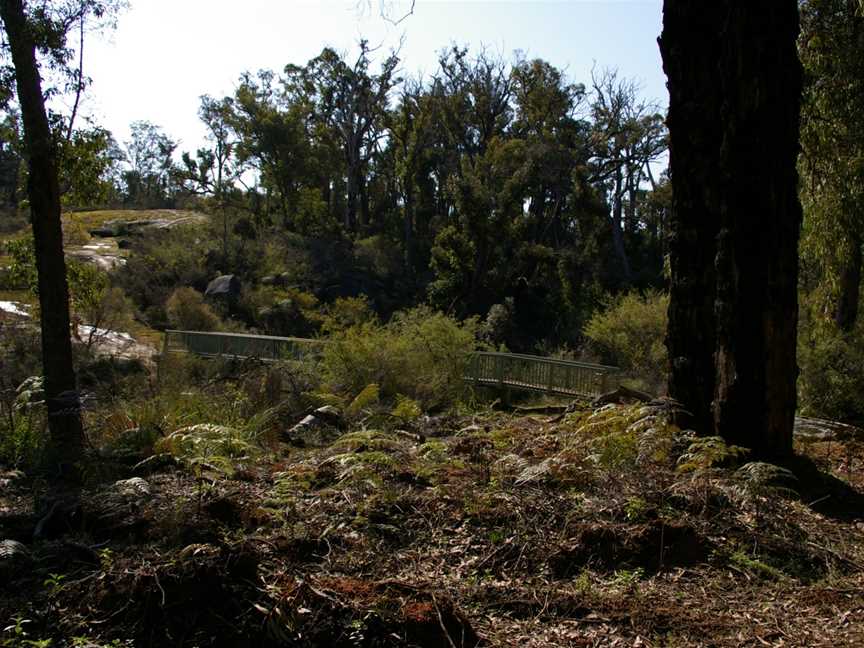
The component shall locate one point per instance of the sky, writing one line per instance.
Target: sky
(164, 54)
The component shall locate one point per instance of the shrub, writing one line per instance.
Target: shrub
(186, 310)
(346, 312)
(419, 354)
(831, 383)
(630, 333)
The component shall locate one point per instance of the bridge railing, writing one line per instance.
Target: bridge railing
(240, 345)
(502, 370)
(536, 373)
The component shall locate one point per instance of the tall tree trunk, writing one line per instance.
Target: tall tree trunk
(618, 227)
(846, 312)
(408, 227)
(735, 84)
(61, 396)
(760, 220)
(690, 45)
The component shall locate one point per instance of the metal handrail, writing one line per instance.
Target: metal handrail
(484, 368)
(559, 361)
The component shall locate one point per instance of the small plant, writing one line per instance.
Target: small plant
(106, 558)
(635, 509)
(407, 409)
(367, 397)
(18, 637)
(706, 452)
(758, 485)
(756, 567)
(628, 578)
(54, 583)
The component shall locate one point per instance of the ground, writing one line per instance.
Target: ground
(593, 528)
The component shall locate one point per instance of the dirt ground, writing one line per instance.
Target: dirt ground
(490, 529)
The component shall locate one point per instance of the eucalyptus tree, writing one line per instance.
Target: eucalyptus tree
(831, 46)
(150, 172)
(215, 170)
(275, 141)
(734, 82)
(350, 101)
(628, 136)
(35, 44)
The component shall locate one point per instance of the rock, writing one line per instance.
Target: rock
(124, 244)
(134, 488)
(13, 556)
(814, 429)
(318, 428)
(103, 232)
(12, 549)
(536, 473)
(224, 287)
(329, 414)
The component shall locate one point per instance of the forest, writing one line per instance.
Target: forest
(375, 239)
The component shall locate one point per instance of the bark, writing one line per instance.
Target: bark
(408, 226)
(61, 396)
(760, 221)
(690, 46)
(618, 228)
(846, 313)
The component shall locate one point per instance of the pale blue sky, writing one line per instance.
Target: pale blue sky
(165, 53)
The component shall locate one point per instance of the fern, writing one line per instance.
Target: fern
(706, 452)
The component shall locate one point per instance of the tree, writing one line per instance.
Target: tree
(352, 102)
(628, 137)
(215, 170)
(734, 82)
(832, 161)
(89, 166)
(61, 396)
(151, 166)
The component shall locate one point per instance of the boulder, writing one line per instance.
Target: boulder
(224, 287)
(14, 557)
(318, 428)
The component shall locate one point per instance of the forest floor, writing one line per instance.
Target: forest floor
(595, 528)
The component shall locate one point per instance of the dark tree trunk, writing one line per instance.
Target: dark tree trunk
(618, 227)
(735, 85)
(408, 227)
(64, 417)
(846, 313)
(690, 46)
(760, 221)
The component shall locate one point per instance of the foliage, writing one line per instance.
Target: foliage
(831, 48)
(831, 383)
(420, 354)
(630, 333)
(187, 311)
(705, 453)
(23, 431)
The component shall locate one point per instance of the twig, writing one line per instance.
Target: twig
(441, 622)
(159, 585)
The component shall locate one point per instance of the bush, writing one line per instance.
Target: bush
(186, 310)
(630, 333)
(346, 312)
(831, 383)
(419, 354)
